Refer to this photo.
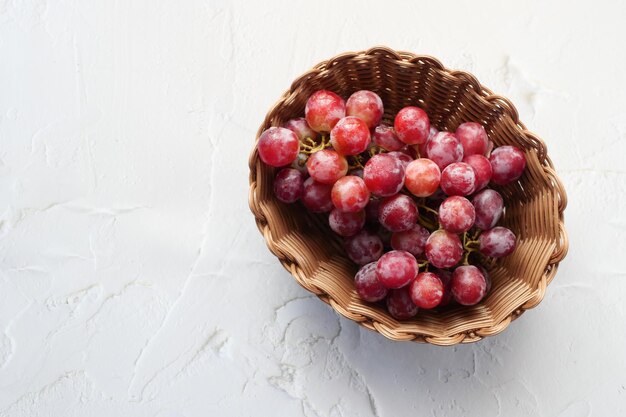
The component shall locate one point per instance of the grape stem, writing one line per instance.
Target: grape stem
(356, 161)
(424, 265)
(467, 254)
(309, 146)
(428, 209)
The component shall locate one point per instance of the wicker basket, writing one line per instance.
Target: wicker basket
(308, 249)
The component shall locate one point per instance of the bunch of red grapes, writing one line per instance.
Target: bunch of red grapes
(405, 198)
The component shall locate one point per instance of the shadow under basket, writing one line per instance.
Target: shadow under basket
(308, 249)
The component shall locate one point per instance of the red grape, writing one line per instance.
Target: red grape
(497, 242)
(367, 285)
(426, 290)
(326, 166)
(384, 175)
(473, 137)
(422, 177)
(444, 148)
(446, 279)
(458, 178)
(398, 213)
(367, 106)
(323, 110)
(396, 268)
(489, 206)
(346, 224)
(468, 285)
(364, 247)
(386, 138)
(350, 136)
(412, 125)
(301, 128)
(508, 164)
(482, 169)
(350, 194)
(443, 249)
(278, 146)
(289, 185)
(456, 214)
(412, 240)
(400, 305)
(404, 158)
(317, 196)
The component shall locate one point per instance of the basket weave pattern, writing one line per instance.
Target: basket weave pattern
(307, 248)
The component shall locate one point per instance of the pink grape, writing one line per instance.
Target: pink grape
(346, 224)
(367, 106)
(278, 146)
(367, 285)
(316, 196)
(350, 136)
(508, 164)
(412, 125)
(350, 194)
(489, 206)
(443, 249)
(468, 285)
(301, 128)
(364, 247)
(444, 148)
(482, 169)
(323, 110)
(426, 290)
(422, 177)
(398, 213)
(404, 158)
(473, 137)
(400, 305)
(327, 166)
(458, 178)
(396, 268)
(497, 242)
(457, 214)
(384, 175)
(446, 279)
(289, 185)
(412, 240)
(386, 138)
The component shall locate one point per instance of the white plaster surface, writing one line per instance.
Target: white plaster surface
(133, 281)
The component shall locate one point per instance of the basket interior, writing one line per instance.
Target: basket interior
(314, 254)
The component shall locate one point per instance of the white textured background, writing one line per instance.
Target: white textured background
(133, 281)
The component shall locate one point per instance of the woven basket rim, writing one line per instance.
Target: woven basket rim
(506, 106)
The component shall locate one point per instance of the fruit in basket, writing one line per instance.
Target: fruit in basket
(412, 203)
(412, 125)
(278, 146)
(350, 136)
(323, 110)
(367, 106)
